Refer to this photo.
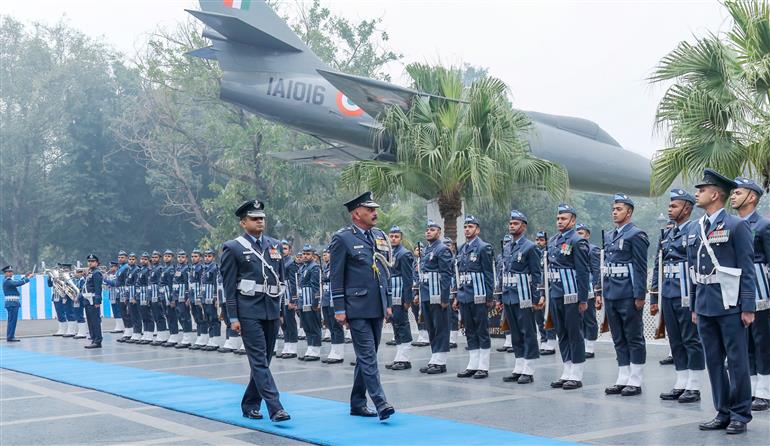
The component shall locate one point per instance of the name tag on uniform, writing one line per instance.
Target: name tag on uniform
(358, 246)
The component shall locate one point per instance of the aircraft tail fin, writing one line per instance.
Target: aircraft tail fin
(230, 27)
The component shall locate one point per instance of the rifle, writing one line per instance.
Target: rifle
(605, 321)
(548, 324)
(660, 331)
(498, 291)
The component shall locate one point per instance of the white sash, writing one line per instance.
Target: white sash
(729, 279)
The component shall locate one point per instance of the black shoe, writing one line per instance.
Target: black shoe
(401, 365)
(332, 361)
(182, 346)
(614, 390)
(690, 396)
(143, 342)
(558, 384)
(121, 340)
(211, 348)
(168, 344)
(453, 345)
(156, 343)
(714, 425)
(94, 345)
(420, 344)
(353, 363)
(512, 378)
(502, 349)
(572, 384)
(362, 412)
(546, 352)
(631, 391)
(229, 350)
(391, 342)
(287, 356)
(309, 358)
(240, 352)
(328, 339)
(434, 369)
(279, 416)
(196, 347)
(466, 373)
(13, 340)
(674, 394)
(253, 414)
(280, 336)
(480, 374)
(526, 379)
(668, 360)
(424, 369)
(590, 355)
(301, 338)
(736, 427)
(386, 411)
(509, 350)
(348, 341)
(760, 404)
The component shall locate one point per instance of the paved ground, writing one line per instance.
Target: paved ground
(38, 411)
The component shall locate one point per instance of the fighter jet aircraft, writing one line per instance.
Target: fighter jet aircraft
(269, 71)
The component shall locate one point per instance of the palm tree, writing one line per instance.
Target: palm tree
(460, 143)
(717, 112)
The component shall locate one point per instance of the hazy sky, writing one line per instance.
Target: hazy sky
(580, 58)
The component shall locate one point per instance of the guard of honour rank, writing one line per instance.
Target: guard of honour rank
(709, 281)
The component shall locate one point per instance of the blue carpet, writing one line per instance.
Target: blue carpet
(313, 420)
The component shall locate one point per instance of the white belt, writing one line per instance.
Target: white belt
(705, 279)
(553, 275)
(511, 279)
(424, 277)
(11, 298)
(249, 288)
(607, 270)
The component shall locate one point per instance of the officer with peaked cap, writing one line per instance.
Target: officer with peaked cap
(253, 280)
(92, 292)
(401, 279)
(12, 301)
(744, 199)
(358, 276)
(673, 299)
(723, 300)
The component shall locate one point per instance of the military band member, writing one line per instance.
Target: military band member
(723, 300)
(744, 199)
(400, 289)
(60, 301)
(310, 304)
(590, 324)
(569, 284)
(108, 281)
(547, 336)
(672, 298)
(92, 292)
(194, 275)
(144, 292)
(134, 306)
(521, 275)
(474, 297)
(289, 304)
(78, 307)
(123, 296)
(12, 301)
(336, 331)
(625, 287)
(358, 274)
(436, 272)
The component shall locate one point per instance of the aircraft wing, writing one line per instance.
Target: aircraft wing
(334, 156)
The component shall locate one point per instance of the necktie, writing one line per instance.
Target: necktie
(369, 237)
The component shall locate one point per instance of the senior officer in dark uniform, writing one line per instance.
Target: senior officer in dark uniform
(674, 301)
(568, 285)
(521, 274)
(723, 301)
(625, 287)
(358, 278)
(744, 199)
(92, 292)
(401, 280)
(252, 279)
(474, 297)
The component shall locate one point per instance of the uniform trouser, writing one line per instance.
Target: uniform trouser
(172, 316)
(401, 329)
(437, 324)
(125, 314)
(69, 310)
(289, 326)
(94, 318)
(311, 322)
(336, 329)
(545, 335)
(523, 331)
(686, 348)
(416, 313)
(136, 317)
(455, 321)
(13, 316)
(725, 337)
(159, 315)
(476, 322)
(199, 316)
(79, 312)
(568, 322)
(116, 310)
(211, 318)
(147, 320)
(627, 330)
(61, 314)
(759, 343)
(184, 315)
(366, 334)
(590, 324)
(259, 337)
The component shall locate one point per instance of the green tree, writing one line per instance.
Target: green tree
(467, 147)
(717, 112)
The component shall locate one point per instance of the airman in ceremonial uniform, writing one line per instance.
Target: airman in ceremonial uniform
(547, 335)
(400, 289)
(144, 292)
(92, 292)
(590, 324)
(289, 305)
(310, 287)
(123, 295)
(336, 331)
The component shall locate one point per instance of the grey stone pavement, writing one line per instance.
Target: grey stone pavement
(36, 411)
